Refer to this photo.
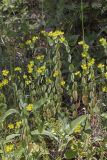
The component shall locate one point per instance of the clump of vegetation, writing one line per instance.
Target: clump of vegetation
(34, 123)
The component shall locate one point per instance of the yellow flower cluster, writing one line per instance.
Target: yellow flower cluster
(25, 76)
(84, 66)
(18, 69)
(28, 42)
(77, 129)
(84, 54)
(62, 83)
(48, 80)
(11, 126)
(41, 69)
(30, 66)
(103, 42)
(100, 66)
(28, 82)
(53, 33)
(9, 148)
(78, 73)
(91, 62)
(62, 39)
(56, 73)
(40, 57)
(4, 82)
(33, 40)
(29, 107)
(18, 124)
(5, 72)
(85, 46)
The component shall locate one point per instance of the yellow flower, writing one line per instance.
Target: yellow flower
(29, 107)
(106, 75)
(81, 42)
(40, 57)
(18, 124)
(100, 65)
(24, 76)
(55, 34)
(84, 54)
(31, 63)
(9, 148)
(28, 42)
(62, 39)
(56, 73)
(104, 89)
(91, 62)
(5, 72)
(62, 83)
(84, 66)
(48, 80)
(83, 153)
(18, 69)
(27, 82)
(41, 69)
(10, 126)
(30, 69)
(85, 46)
(77, 129)
(30, 66)
(5, 82)
(34, 38)
(77, 73)
(103, 42)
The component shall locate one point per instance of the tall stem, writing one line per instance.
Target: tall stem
(82, 17)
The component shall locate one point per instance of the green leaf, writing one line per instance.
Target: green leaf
(70, 154)
(1, 152)
(18, 153)
(51, 42)
(40, 103)
(77, 121)
(8, 113)
(104, 115)
(12, 136)
(44, 133)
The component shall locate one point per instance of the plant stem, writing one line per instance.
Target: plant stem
(82, 17)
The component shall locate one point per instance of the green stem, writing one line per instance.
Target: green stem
(82, 16)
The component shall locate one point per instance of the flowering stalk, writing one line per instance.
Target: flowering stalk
(58, 78)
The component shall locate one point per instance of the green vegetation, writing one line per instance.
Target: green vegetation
(53, 80)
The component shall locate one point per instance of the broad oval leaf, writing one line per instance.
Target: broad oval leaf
(44, 133)
(8, 113)
(104, 115)
(77, 121)
(12, 136)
